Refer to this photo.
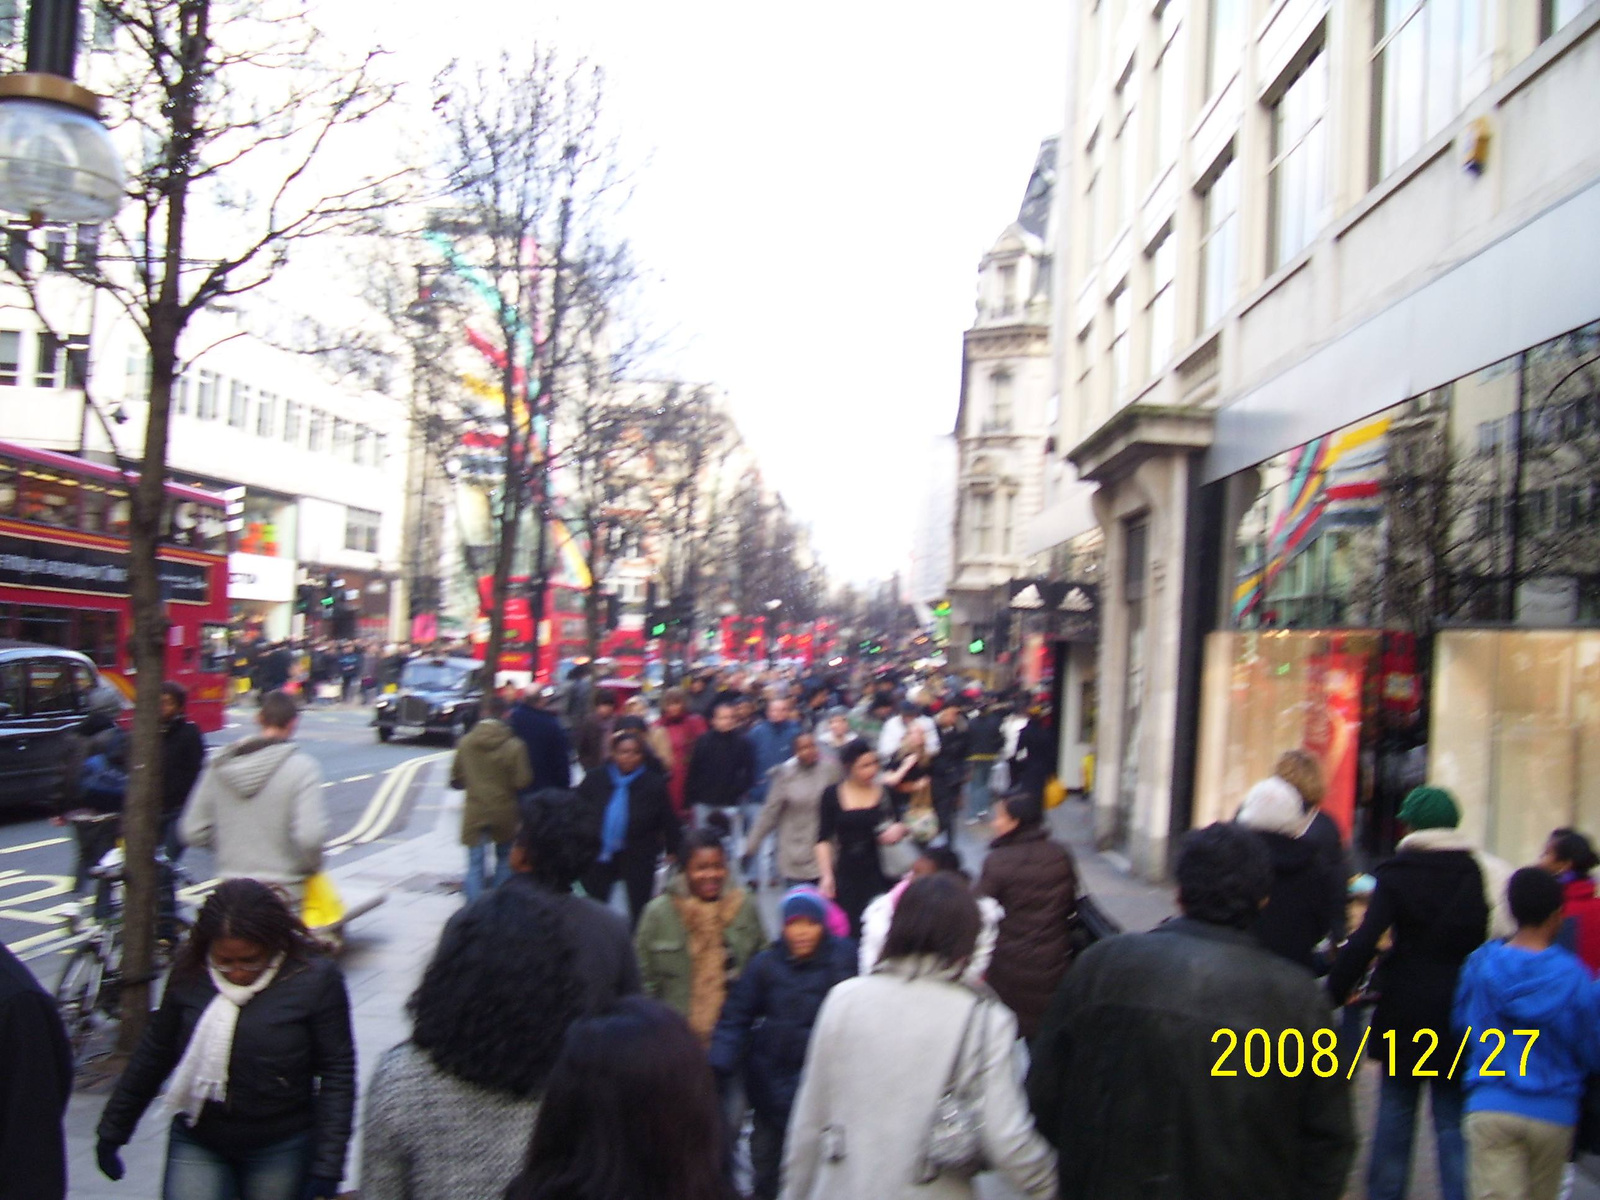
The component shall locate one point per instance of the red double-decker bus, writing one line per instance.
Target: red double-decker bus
(64, 571)
(563, 635)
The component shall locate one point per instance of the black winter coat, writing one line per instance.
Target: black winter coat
(985, 735)
(35, 1085)
(183, 753)
(722, 770)
(1324, 837)
(549, 753)
(1433, 901)
(1034, 879)
(767, 1018)
(1304, 904)
(1036, 759)
(653, 826)
(950, 764)
(293, 1067)
(1122, 1083)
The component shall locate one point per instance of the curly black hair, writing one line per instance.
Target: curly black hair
(251, 911)
(1224, 874)
(496, 1001)
(559, 838)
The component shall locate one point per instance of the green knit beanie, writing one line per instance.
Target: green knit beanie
(1430, 808)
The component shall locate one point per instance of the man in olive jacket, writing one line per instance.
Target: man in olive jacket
(1146, 1100)
(491, 765)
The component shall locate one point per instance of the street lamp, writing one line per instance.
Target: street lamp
(57, 161)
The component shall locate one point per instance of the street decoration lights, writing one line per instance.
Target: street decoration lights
(57, 161)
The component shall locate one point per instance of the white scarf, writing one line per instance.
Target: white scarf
(1496, 873)
(202, 1073)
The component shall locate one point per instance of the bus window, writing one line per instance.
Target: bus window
(105, 510)
(97, 636)
(50, 626)
(216, 656)
(8, 490)
(197, 526)
(47, 498)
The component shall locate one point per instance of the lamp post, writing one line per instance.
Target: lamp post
(57, 161)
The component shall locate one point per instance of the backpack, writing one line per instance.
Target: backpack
(102, 783)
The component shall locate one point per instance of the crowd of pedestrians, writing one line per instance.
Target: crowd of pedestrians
(904, 1027)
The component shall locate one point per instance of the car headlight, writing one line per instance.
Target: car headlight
(385, 703)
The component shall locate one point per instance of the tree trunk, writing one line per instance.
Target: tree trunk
(141, 815)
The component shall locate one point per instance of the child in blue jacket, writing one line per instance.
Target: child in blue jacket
(1531, 1017)
(766, 1023)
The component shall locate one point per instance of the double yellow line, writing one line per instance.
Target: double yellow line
(385, 804)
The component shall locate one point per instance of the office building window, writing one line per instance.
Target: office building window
(10, 357)
(77, 354)
(18, 250)
(180, 395)
(239, 405)
(1423, 53)
(1121, 317)
(291, 422)
(1008, 521)
(1091, 212)
(1000, 400)
(362, 443)
(341, 437)
(55, 250)
(205, 407)
(1296, 187)
(47, 370)
(1006, 301)
(266, 414)
(380, 449)
(1219, 241)
(1555, 14)
(136, 382)
(314, 431)
(980, 523)
(1168, 92)
(86, 248)
(361, 530)
(1126, 150)
(1161, 322)
(1224, 37)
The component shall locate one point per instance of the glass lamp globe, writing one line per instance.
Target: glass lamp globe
(57, 161)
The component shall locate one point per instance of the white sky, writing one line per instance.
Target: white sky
(814, 188)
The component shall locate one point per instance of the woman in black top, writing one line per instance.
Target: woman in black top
(254, 1031)
(857, 816)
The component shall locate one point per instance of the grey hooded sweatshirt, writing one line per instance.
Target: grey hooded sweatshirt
(258, 807)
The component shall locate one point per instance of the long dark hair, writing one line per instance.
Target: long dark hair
(500, 993)
(251, 911)
(629, 1112)
(936, 916)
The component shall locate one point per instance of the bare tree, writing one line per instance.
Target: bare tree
(533, 184)
(236, 107)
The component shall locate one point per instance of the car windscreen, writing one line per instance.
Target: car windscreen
(431, 677)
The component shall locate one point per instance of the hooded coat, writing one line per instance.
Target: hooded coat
(258, 808)
(766, 1021)
(1305, 902)
(491, 764)
(1033, 877)
(1508, 988)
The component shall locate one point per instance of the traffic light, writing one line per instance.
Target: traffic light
(655, 624)
(305, 598)
(1002, 632)
(980, 640)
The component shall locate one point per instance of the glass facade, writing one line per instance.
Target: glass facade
(1407, 597)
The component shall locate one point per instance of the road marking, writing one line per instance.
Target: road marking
(357, 778)
(386, 802)
(32, 845)
(38, 939)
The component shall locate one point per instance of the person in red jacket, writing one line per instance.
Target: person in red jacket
(683, 728)
(1571, 859)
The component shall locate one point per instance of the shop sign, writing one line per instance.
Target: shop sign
(260, 577)
(56, 567)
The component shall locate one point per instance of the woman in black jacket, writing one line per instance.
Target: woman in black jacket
(254, 1032)
(627, 801)
(1305, 904)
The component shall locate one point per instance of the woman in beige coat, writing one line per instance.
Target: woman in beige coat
(882, 1053)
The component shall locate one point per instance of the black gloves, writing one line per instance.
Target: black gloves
(110, 1162)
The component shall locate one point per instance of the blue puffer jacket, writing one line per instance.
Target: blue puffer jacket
(772, 744)
(767, 1019)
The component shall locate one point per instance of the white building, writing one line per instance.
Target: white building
(321, 467)
(1300, 235)
(1005, 419)
(932, 551)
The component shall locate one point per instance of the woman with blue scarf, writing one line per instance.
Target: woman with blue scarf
(627, 798)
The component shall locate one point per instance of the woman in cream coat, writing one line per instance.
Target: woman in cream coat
(881, 1056)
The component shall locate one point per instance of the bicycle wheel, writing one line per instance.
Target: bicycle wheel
(78, 995)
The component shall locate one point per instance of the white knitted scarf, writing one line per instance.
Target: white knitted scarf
(202, 1073)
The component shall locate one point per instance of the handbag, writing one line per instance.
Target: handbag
(894, 861)
(954, 1145)
(1088, 924)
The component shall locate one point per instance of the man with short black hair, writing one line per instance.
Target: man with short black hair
(258, 806)
(1520, 1121)
(1142, 1095)
(722, 769)
(183, 754)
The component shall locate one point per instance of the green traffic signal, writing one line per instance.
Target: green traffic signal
(975, 646)
(657, 629)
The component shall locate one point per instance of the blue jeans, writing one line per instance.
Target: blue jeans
(978, 790)
(1390, 1170)
(194, 1172)
(476, 855)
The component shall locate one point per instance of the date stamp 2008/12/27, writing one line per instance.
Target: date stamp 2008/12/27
(1260, 1055)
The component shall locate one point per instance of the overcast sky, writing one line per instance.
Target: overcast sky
(814, 187)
